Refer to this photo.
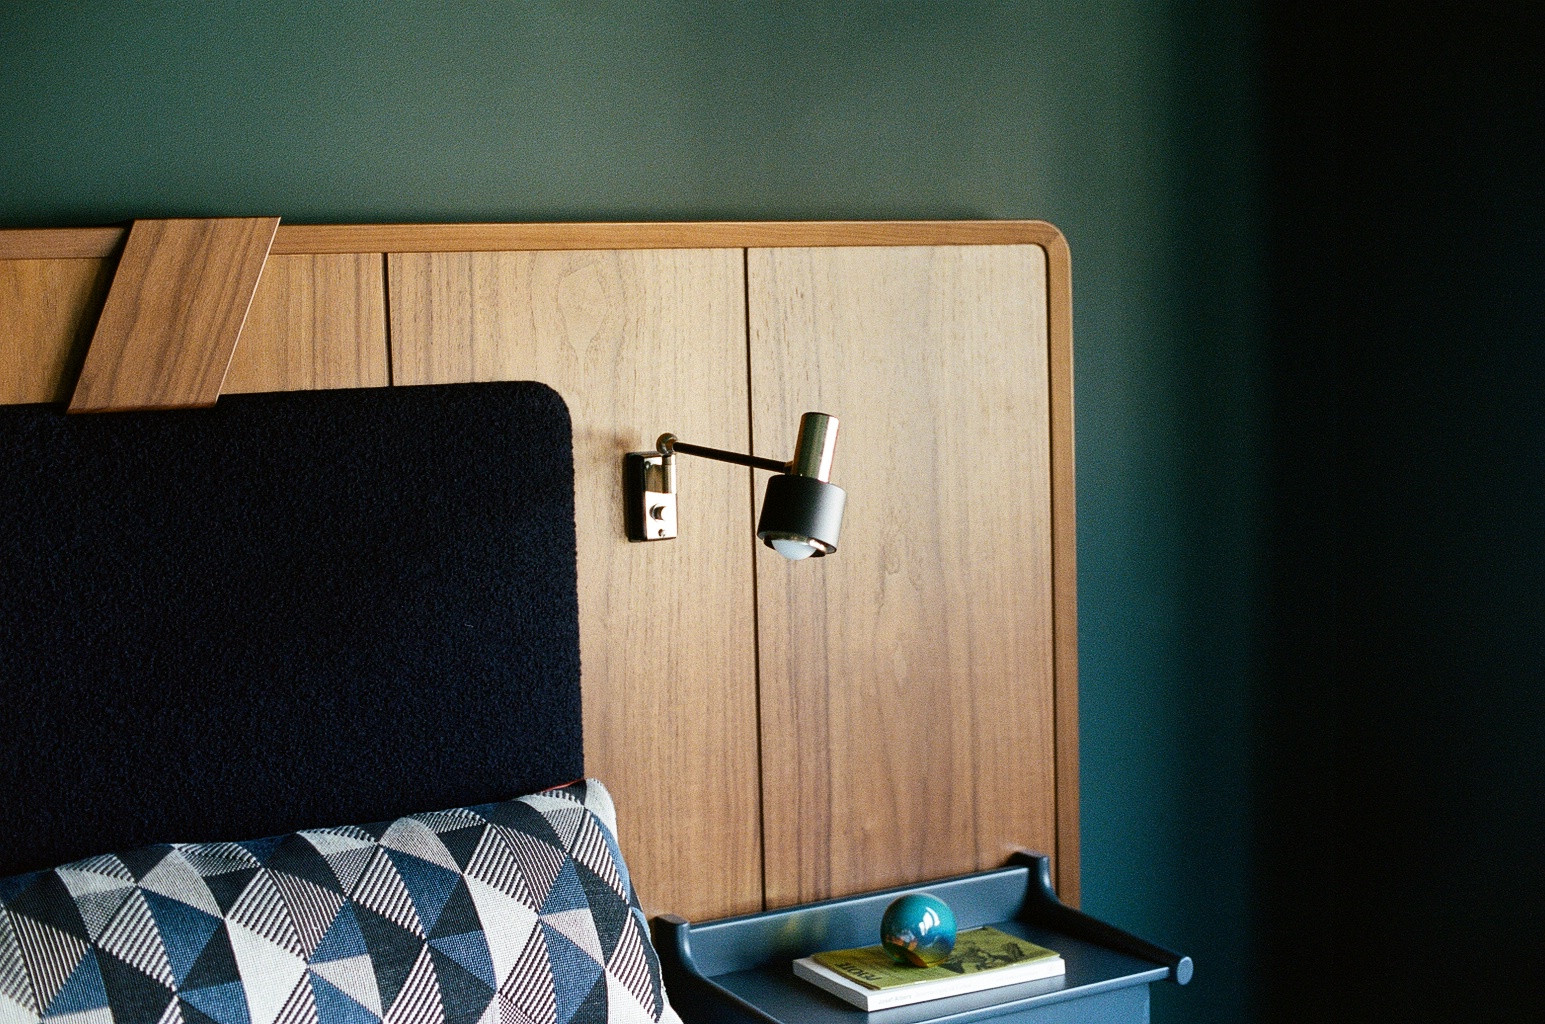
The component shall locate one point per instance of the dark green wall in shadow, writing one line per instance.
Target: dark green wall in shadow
(1129, 125)
(1402, 729)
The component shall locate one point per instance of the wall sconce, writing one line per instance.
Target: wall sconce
(801, 515)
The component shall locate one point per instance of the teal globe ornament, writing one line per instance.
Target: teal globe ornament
(918, 929)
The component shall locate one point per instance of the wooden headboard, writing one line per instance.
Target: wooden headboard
(773, 732)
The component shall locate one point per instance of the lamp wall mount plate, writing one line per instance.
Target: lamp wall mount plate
(649, 481)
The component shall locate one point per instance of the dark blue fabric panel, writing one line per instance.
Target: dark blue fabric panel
(287, 611)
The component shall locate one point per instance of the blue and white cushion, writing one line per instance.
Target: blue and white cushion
(508, 913)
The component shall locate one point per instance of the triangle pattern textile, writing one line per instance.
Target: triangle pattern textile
(538, 861)
(355, 978)
(260, 907)
(82, 991)
(336, 1006)
(229, 886)
(507, 924)
(225, 1003)
(420, 1000)
(136, 998)
(176, 879)
(172, 1014)
(591, 849)
(392, 950)
(441, 822)
(343, 940)
(580, 972)
(622, 1006)
(257, 957)
(101, 1015)
(462, 842)
(429, 886)
(463, 996)
(81, 881)
(329, 841)
(593, 1007)
(413, 837)
(606, 913)
(212, 859)
(106, 864)
(494, 863)
(49, 954)
(382, 891)
(312, 907)
(530, 989)
(135, 938)
(349, 865)
(519, 912)
(301, 1005)
(630, 967)
(15, 985)
(470, 953)
(183, 930)
(98, 908)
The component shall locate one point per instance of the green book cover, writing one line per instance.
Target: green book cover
(976, 951)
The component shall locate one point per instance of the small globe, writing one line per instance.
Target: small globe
(918, 929)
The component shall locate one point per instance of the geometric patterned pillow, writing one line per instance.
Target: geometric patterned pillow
(507, 913)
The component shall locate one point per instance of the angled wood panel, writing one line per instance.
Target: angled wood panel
(47, 310)
(179, 298)
(316, 322)
(638, 343)
(907, 683)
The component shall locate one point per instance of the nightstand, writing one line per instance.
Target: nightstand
(737, 971)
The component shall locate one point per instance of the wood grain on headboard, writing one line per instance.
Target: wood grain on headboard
(637, 342)
(772, 732)
(317, 321)
(920, 719)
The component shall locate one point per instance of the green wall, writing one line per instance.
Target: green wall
(1403, 734)
(1129, 125)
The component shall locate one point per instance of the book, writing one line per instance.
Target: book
(983, 958)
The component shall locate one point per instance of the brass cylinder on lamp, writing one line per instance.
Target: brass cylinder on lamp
(802, 513)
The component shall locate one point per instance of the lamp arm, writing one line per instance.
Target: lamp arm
(668, 445)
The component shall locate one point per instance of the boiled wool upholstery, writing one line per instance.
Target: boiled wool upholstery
(282, 612)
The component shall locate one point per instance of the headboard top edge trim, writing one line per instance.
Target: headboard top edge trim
(340, 239)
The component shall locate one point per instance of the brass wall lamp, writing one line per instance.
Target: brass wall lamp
(801, 515)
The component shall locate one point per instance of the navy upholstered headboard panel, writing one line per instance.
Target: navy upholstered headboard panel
(287, 611)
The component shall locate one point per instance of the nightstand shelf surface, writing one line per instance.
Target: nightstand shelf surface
(738, 969)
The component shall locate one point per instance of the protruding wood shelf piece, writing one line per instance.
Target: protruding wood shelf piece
(174, 313)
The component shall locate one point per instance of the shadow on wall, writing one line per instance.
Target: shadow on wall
(1402, 727)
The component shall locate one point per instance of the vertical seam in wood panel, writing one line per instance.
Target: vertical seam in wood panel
(386, 307)
(756, 624)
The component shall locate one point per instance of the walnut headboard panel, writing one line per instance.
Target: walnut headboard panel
(773, 732)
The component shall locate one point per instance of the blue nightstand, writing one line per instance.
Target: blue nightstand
(738, 969)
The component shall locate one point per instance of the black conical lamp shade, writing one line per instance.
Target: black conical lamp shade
(801, 516)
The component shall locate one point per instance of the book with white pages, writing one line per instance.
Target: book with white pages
(983, 958)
